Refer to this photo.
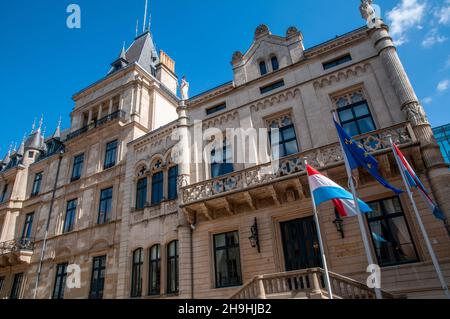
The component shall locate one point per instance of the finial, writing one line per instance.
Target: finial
(41, 121)
(371, 13)
(43, 131)
(149, 22)
(33, 126)
(15, 147)
(137, 27)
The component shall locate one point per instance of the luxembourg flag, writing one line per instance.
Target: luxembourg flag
(414, 181)
(324, 189)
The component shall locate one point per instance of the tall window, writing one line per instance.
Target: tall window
(16, 287)
(3, 194)
(27, 226)
(172, 180)
(136, 273)
(110, 154)
(287, 139)
(221, 160)
(391, 236)
(227, 260)
(69, 219)
(77, 167)
(154, 279)
(60, 281)
(105, 206)
(172, 267)
(98, 277)
(274, 62)
(354, 113)
(141, 193)
(36, 184)
(262, 68)
(157, 187)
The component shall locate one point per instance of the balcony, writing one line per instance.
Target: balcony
(249, 185)
(16, 252)
(97, 123)
(305, 284)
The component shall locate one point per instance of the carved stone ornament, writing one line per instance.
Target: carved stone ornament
(366, 9)
(262, 29)
(416, 114)
(237, 57)
(291, 31)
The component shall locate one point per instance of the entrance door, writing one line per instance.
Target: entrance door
(300, 244)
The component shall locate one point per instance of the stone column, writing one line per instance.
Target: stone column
(110, 106)
(99, 115)
(184, 225)
(437, 169)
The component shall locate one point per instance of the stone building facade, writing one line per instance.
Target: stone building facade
(125, 199)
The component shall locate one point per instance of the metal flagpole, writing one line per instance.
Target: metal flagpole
(362, 226)
(319, 235)
(422, 227)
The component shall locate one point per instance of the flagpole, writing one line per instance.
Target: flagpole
(362, 226)
(421, 226)
(319, 235)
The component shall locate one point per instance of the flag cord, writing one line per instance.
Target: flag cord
(421, 225)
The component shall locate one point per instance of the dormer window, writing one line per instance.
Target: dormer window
(274, 62)
(262, 68)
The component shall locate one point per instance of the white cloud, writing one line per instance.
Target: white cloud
(432, 38)
(404, 16)
(427, 100)
(443, 14)
(443, 85)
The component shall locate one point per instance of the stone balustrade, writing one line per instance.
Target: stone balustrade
(374, 142)
(310, 282)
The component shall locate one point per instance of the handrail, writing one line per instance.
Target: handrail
(305, 280)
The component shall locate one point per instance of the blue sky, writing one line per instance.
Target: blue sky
(44, 63)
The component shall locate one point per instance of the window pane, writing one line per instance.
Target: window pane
(361, 110)
(346, 115)
(288, 133)
(365, 125)
(291, 148)
(351, 129)
(262, 68)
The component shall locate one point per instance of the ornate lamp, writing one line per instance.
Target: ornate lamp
(339, 223)
(254, 238)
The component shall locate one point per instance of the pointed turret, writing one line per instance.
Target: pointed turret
(121, 62)
(57, 134)
(21, 150)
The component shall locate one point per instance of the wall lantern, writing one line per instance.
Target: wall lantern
(254, 238)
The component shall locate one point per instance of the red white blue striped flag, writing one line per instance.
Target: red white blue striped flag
(414, 181)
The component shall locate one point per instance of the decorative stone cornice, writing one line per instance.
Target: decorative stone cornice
(339, 75)
(274, 99)
(337, 43)
(222, 119)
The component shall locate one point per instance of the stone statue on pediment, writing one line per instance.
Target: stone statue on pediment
(184, 89)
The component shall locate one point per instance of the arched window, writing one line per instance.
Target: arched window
(154, 278)
(172, 181)
(172, 267)
(157, 183)
(136, 273)
(141, 193)
(262, 68)
(275, 65)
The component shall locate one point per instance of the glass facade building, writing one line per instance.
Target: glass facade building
(442, 135)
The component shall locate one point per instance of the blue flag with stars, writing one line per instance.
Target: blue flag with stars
(357, 156)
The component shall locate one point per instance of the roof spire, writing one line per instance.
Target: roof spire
(57, 134)
(145, 16)
(137, 27)
(123, 52)
(21, 150)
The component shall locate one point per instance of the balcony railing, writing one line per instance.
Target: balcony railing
(113, 116)
(16, 245)
(307, 281)
(258, 175)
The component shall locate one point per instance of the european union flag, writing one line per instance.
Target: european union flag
(357, 156)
